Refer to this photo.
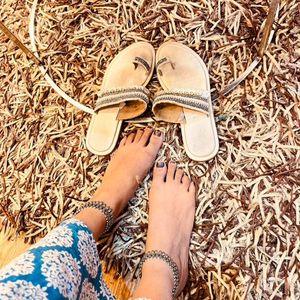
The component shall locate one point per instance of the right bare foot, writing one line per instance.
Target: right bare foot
(128, 167)
(171, 218)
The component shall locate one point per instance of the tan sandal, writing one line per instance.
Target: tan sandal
(186, 99)
(123, 96)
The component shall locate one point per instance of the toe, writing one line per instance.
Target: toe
(138, 135)
(156, 141)
(145, 136)
(192, 189)
(171, 171)
(178, 175)
(130, 138)
(186, 181)
(123, 142)
(159, 172)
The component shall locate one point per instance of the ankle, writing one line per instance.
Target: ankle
(112, 199)
(156, 282)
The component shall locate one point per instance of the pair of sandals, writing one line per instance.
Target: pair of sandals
(185, 98)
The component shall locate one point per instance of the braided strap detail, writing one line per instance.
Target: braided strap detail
(104, 208)
(158, 254)
(141, 61)
(163, 61)
(196, 100)
(121, 95)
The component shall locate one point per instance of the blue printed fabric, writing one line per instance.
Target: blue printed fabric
(63, 265)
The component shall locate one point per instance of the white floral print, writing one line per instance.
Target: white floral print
(88, 252)
(63, 265)
(88, 291)
(60, 236)
(21, 289)
(105, 291)
(23, 265)
(62, 271)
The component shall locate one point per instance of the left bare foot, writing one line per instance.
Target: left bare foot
(129, 165)
(171, 218)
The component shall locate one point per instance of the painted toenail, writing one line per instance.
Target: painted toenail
(157, 132)
(160, 164)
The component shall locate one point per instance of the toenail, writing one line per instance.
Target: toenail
(157, 132)
(160, 164)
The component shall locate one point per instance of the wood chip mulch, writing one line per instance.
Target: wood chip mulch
(246, 239)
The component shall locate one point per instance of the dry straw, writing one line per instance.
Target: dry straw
(245, 242)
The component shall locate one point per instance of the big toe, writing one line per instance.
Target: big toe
(145, 136)
(159, 172)
(155, 142)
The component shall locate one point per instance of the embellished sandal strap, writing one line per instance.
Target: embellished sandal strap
(122, 95)
(140, 61)
(163, 61)
(196, 100)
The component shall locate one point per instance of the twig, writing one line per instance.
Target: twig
(18, 43)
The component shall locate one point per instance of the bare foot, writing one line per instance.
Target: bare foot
(171, 218)
(129, 165)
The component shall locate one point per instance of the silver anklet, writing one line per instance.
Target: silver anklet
(104, 208)
(158, 254)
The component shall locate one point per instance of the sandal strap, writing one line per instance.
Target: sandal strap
(140, 61)
(122, 95)
(196, 100)
(163, 61)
